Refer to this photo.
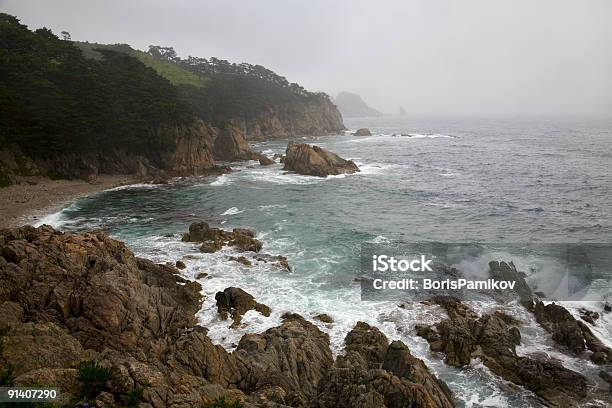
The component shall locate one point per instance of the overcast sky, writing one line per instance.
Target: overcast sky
(472, 57)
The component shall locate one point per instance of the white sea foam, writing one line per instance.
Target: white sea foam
(221, 180)
(147, 186)
(232, 211)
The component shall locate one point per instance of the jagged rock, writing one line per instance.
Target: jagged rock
(373, 373)
(569, 332)
(324, 317)
(241, 259)
(503, 271)
(180, 265)
(231, 145)
(214, 239)
(294, 357)
(265, 161)
(315, 161)
(280, 260)
(589, 316)
(235, 302)
(362, 132)
(201, 275)
(493, 340)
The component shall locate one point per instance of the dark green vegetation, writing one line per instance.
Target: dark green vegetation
(221, 402)
(55, 101)
(218, 90)
(92, 379)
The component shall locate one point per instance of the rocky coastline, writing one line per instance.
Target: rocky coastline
(76, 301)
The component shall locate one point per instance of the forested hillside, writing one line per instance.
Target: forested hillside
(74, 109)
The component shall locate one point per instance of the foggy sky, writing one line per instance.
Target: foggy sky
(460, 57)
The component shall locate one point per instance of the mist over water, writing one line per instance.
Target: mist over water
(450, 180)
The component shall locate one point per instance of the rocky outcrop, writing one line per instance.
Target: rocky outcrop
(235, 302)
(231, 145)
(213, 239)
(78, 297)
(362, 132)
(315, 161)
(570, 332)
(287, 362)
(373, 373)
(315, 116)
(493, 339)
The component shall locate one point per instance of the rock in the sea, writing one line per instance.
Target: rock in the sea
(235, 302)
(213, 239)
(180, 265)
(493, 339)
(241, 259)
(265, 161)
(324, 318)
(315, 161)
(571, 333)
(362, 132)
(279, 260)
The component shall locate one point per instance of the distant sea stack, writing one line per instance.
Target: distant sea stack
(352, 106)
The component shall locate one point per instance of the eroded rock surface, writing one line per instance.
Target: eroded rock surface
(213, 239)
(235, 302)
(316, 161)
(493, 339)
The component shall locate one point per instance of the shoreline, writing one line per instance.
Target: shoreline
(27, 203)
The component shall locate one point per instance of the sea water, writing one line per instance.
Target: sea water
(428, 179)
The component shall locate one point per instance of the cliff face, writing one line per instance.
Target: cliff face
(308, 118)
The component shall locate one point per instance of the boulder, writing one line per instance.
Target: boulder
(265, 161)
(213, 239)
(235, 302)
(315, 161)
(493, 339)
(362, 132)
(180, 265)
(324, 318)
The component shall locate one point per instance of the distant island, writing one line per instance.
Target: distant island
(352, 106)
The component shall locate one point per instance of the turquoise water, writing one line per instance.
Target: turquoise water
(448, 180)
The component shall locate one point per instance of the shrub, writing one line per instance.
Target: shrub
(92, 378)
(222, 403)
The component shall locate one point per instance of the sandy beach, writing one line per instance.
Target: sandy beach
(26, 203)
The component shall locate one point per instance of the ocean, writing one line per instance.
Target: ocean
(422, 179)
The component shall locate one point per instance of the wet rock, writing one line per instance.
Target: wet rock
(571, 333)
(279, 260)
(362, 132)
(235, 302)
(201, 275)
(265, 161)
(315, 161)
(241, 259)
(507, 272)
(213, 239)
(180, 265)
(607, 307)
(323, 317)
(493, 339)
(589, 316)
